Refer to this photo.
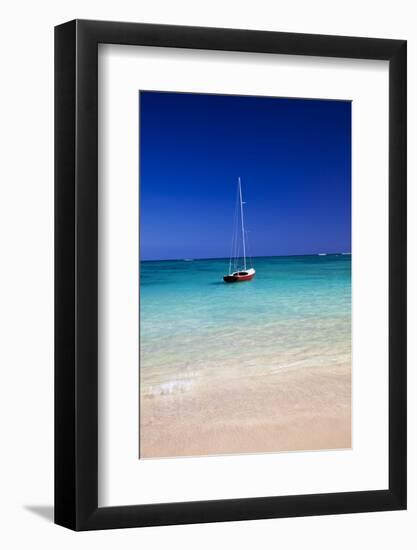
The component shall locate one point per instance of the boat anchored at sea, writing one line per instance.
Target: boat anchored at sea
(238, 274)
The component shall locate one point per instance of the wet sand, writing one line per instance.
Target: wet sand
(292, 409)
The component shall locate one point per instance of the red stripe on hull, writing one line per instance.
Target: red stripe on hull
(237, 278)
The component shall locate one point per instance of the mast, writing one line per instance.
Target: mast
(243, 226)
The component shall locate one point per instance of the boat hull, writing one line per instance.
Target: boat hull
(238, 278)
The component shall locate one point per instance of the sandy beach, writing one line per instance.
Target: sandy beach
(301, 408)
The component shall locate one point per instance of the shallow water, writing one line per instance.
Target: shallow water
(195, 328)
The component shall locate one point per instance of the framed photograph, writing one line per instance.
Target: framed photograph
(230, 254)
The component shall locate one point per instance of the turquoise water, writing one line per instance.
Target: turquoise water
(295, 313)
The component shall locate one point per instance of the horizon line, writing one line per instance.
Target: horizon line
(263, 256)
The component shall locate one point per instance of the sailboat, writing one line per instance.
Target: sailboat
(238, 274)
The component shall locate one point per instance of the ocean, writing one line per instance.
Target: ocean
(196, 330)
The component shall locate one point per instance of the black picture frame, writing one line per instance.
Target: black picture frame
(76, 272)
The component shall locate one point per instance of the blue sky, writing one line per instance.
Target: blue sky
(293, 157)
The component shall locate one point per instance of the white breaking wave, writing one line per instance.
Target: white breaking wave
(168, 388)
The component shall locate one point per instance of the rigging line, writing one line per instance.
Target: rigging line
(248, 247)
(242, 223)
(236, 231)
(235, 254)
(237, 247)
(233, 237)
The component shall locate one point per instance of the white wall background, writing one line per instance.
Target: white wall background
(26, 273)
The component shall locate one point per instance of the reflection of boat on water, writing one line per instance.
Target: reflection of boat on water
(239, 274)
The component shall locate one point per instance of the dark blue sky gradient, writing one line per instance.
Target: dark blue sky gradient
(293, 156)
